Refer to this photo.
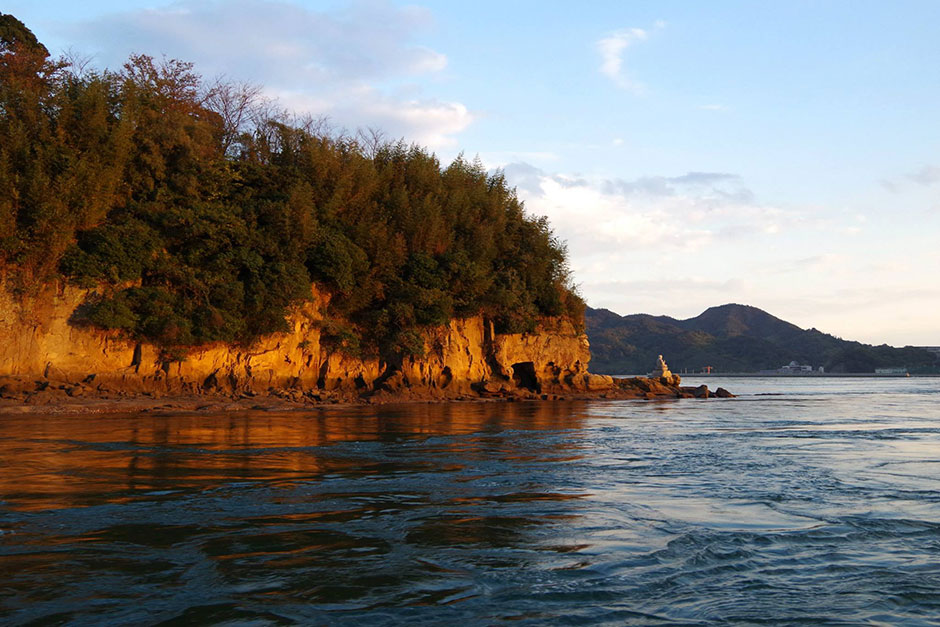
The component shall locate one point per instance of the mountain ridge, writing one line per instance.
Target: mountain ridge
(732, 338)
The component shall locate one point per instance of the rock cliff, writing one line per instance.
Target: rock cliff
(47, 359)
(465, 358)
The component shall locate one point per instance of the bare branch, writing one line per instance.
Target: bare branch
(238, 105)
(370, 140)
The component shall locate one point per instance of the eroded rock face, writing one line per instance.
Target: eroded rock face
(466, 357)
(45, 360)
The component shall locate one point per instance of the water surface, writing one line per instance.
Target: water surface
(803, 501)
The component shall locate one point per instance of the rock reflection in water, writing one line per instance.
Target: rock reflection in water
(69, 461)
(344, 509)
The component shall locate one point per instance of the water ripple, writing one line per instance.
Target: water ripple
(817, 506)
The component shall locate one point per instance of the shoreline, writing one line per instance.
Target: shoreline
(827, 375)
(61, 401)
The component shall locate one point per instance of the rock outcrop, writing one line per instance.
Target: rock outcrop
(662, 374)
(46, 358)
(466, 357)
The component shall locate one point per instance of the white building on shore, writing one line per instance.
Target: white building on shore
(794, 368)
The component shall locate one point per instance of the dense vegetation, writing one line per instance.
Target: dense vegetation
(732, 338)
(200, 213)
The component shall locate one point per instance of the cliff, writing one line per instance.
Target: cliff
(44, 354)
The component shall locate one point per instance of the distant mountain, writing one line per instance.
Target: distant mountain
(731, 338)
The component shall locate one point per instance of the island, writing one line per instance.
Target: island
(164, 238)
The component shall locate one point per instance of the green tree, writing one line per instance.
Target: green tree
(200, 213)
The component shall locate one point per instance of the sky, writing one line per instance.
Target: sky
(783, 155)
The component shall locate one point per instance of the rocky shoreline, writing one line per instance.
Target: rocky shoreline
(49, 364)
(20, 395)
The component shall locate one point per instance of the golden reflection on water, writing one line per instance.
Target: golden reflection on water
(786, 511)
(55, 461)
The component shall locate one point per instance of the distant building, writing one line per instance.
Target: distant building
(793, 368)
(891, 371)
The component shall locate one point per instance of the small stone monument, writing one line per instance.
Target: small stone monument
(662, 373)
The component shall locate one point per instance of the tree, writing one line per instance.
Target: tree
(201, 213)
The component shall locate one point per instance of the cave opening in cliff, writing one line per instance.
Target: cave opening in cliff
(523, 373)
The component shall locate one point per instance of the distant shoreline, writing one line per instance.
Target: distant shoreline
(814, 375)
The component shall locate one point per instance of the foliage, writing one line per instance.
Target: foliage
(203, 214)
(62, 153)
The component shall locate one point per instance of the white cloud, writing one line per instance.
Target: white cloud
(614, 223)
(925, 177)
(679, 244)
(825, 262)
(503, 158)
(429, 122)
(355, 64)
(612, 49)
(928, 175)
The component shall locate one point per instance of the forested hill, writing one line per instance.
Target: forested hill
(200, 213)
(731, 338)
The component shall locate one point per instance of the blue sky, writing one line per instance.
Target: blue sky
(784, 155)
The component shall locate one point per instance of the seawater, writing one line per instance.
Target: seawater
(803, 501)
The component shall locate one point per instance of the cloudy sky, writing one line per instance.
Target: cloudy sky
(784, 155)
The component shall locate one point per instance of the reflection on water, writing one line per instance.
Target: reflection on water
(69, 461)
(819, 506)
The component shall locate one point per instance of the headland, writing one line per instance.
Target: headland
(50, 364)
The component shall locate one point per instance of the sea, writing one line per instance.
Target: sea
(803, 501)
